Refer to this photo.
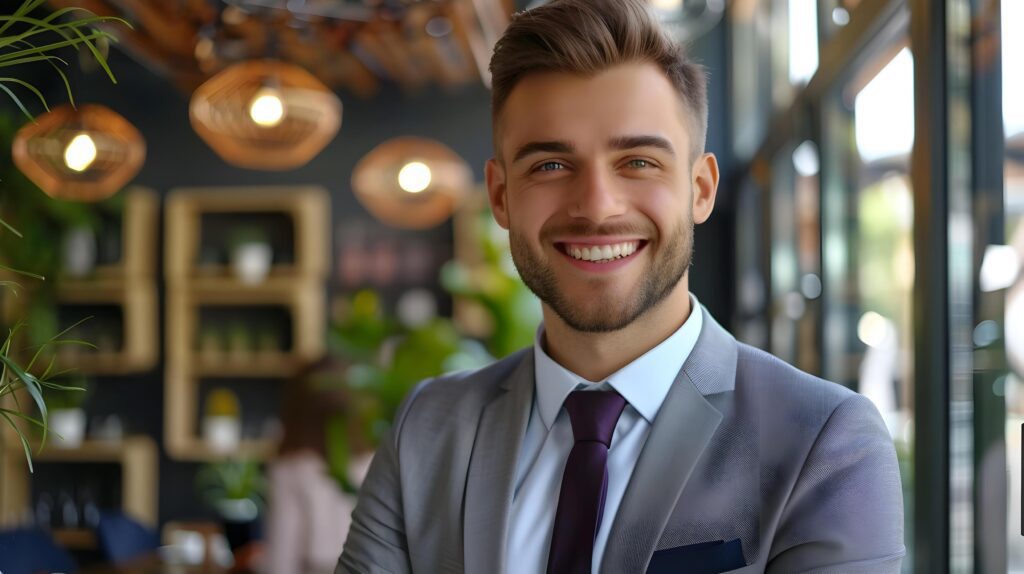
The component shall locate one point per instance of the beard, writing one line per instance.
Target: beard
(606, 312)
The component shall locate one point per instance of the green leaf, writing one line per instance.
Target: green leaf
(23, 416)
(24, 442)
(82, 39)
(17, 102)
(56, 340)
(20, 272)
(25, 8)
(29, 87)
(8, 227)
(59, 387)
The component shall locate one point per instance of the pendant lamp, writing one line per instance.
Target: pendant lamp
(83, 154)
(265, 114)
(411, 182)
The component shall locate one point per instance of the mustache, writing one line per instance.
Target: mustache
(585, 229)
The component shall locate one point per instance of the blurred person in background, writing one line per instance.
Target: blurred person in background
(636, 434)
(308, 512)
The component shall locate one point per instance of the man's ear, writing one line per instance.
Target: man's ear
(704, 186)
(495, 176)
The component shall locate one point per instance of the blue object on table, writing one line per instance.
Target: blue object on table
(30, 550)
(122, 538)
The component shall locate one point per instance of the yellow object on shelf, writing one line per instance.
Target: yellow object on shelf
(222, 403)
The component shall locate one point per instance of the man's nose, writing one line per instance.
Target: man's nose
(595, 196)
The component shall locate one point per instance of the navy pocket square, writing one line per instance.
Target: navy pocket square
(703, 558)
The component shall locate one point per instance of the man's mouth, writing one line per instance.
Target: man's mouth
(603, 253)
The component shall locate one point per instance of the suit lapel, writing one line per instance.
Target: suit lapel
(680, 433)
(492, 468)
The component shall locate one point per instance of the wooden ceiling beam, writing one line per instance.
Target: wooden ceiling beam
(166, 27)
(181, 72)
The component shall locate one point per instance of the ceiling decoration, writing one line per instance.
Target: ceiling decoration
(411, 183)
(265, 114)
(353, 44)
(86, 154)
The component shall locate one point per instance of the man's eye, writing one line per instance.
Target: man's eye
(638, 163)
(550, 166)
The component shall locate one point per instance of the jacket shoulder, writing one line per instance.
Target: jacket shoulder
(764, 374)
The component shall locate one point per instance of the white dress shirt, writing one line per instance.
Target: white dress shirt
(644, 383)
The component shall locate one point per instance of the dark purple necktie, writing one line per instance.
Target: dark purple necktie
(585, 480)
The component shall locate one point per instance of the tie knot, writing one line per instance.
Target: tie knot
(593, 414)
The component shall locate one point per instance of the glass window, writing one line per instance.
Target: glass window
(868, 250)
(803, 40)
(751, 293)
(749, 75)
(795, 256)
(1002, 265)
(794, 47)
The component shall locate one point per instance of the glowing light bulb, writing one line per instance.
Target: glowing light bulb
(414, 177)
(80, 153)
(266, 108)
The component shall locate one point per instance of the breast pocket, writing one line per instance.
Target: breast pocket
(704, 558)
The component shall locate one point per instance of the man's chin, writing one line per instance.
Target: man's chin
(595, 317)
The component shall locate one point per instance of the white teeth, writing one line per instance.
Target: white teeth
(603, 252)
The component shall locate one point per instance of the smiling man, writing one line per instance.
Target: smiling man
(636, 435)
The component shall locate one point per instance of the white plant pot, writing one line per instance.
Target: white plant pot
(67, 426)
(222, 434)
(79, 252)
(251, 262)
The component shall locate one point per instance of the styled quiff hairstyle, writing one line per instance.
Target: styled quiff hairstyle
(587, 37)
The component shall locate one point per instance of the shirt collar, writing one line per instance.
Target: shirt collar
(644, 383)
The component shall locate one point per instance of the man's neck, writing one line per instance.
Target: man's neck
(595, 356)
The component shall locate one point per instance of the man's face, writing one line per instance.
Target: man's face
(594, 185)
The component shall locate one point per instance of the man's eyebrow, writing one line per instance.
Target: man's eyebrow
(632, 142)
(543, 147)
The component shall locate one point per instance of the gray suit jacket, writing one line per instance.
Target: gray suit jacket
(747, 457)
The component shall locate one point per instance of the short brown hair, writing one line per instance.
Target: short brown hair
(586, 37)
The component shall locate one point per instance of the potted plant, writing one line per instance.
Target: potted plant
(251, 254)
(222, 421)
(240, 342)
(67, 418)
(235, 490)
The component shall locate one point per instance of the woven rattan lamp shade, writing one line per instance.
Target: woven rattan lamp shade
(83, 154)
(309, 115)
(445, 180)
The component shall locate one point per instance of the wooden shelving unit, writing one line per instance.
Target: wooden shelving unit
(296, 287)
(129, 284)
(137, 456)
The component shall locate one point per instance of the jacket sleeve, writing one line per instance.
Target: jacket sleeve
(376, 541)
(845, 514)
